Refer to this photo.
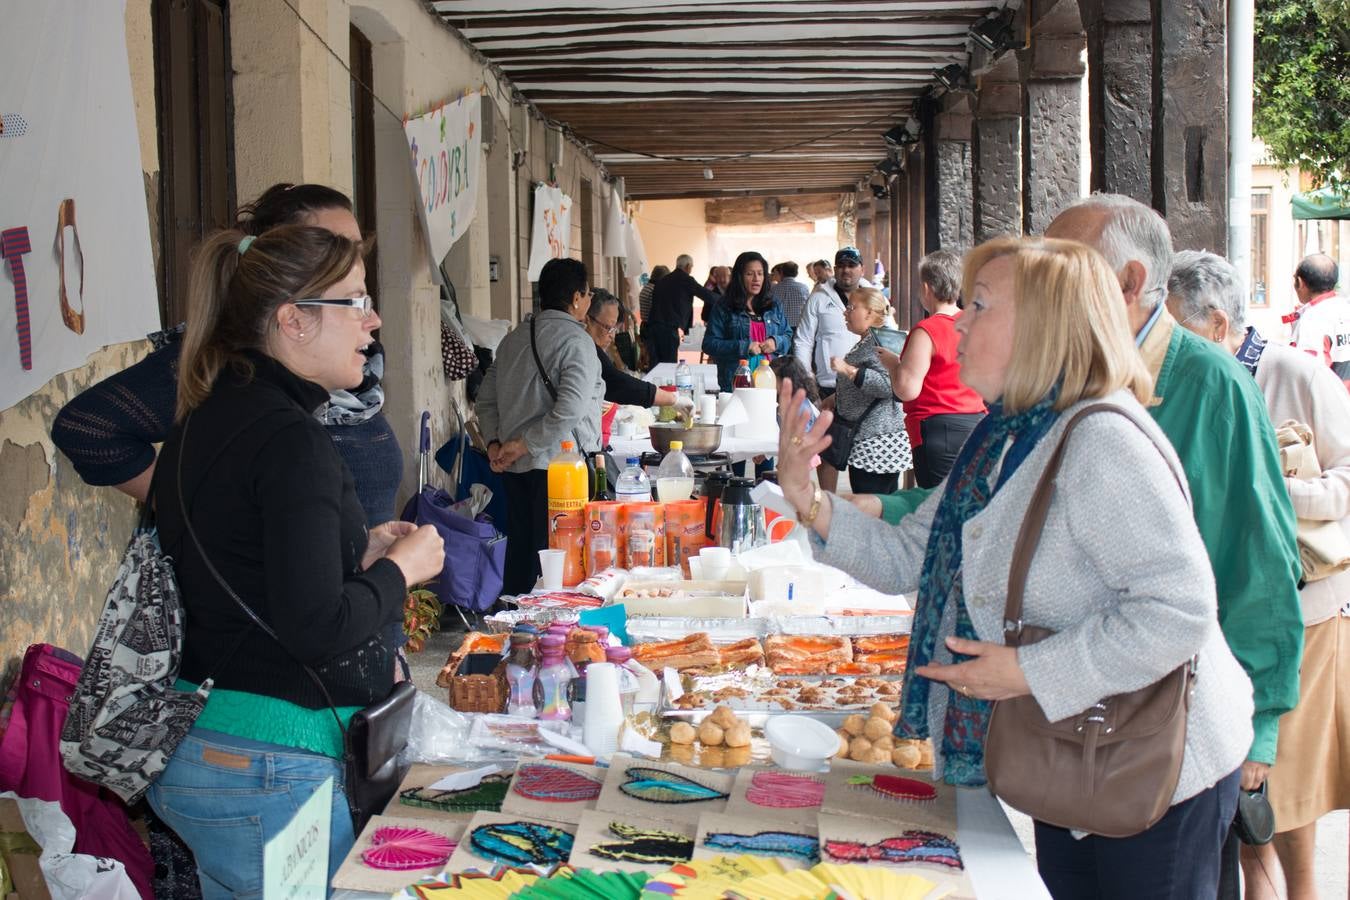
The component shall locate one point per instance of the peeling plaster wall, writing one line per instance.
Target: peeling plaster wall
(61, 540)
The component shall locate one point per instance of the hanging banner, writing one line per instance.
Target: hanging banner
(552, 227)
(635, 257)
(76, 272)
(446, 146)
(614, 238)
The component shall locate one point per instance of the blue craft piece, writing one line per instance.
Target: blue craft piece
(766, 843)
(660, 786)
(521, 843)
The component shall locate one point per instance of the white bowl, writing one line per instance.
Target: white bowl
(801, 743)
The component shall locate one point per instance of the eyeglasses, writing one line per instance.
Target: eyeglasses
(363, 305)
(608, 329)
(1196, 315)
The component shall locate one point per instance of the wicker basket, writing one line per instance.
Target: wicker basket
(480, 693)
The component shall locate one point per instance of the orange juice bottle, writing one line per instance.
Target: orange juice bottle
(568, 491)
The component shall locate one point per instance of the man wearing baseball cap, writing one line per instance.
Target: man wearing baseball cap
(822, 333)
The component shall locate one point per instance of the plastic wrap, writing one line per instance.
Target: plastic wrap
(70, 876)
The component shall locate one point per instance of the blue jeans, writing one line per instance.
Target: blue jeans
(227, 796)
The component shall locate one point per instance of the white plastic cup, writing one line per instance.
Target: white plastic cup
(707, 409)
(551, 569)
(716, 561)
(695, 568)
(624, 428)
(604, 709)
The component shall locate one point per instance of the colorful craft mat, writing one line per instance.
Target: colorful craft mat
(565, 883)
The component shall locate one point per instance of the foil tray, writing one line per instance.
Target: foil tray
(755, 711)
(643, 629)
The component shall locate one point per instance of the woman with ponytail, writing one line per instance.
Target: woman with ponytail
(253, 500)
(109, 431)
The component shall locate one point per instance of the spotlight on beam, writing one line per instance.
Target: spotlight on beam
(955, 78)
(903, 135)
(994, 32)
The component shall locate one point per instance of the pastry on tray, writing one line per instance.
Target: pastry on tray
(694, 651)
(806, 654)
(741, 654)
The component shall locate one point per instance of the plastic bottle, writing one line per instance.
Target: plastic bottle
(568, 490)
(764, 377)
(684, 381)
(634, 486)
(629, 684)
(521, 671)
(742, 377)
(675, 477)
(552, 684)
(601, 490)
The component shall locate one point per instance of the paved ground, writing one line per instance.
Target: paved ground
(1333, 831)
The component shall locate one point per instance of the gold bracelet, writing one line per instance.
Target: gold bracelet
(809, 519)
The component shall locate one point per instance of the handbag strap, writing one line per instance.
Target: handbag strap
(552, 389)
(220, 579)
(1029, 535)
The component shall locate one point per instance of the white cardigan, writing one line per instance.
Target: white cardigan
(1120, 574)
(1300, 387)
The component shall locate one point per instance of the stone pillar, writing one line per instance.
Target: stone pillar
(1052, 70)
(1190, 137)
(1120, 95)
(915, 172)
(881, 228)
(996, 150)
(955, 200)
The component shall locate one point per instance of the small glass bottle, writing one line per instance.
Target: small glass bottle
(521, 672)
(552, 685)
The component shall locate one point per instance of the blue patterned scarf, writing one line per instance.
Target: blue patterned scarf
(968, 491)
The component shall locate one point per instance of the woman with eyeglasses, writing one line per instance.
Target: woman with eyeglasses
(255, 504)
(602, 322)
(109, 431)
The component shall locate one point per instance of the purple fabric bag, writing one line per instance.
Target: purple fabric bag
(475, 551)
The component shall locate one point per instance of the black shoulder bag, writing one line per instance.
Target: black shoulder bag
(842, 433)
(376, 735)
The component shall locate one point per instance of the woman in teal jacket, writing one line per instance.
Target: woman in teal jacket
(748, 323)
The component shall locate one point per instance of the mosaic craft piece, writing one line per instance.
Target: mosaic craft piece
(644, 845)
(781, 790)
(356, 873)
(555, 784)
(766, 843)
(521, 843)
(395, 847)
(661, 786)
(908, 847)
(895, 786)
(486, 795)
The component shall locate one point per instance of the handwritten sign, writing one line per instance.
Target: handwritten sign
(295, 862)
(446, 148)
(552, 227)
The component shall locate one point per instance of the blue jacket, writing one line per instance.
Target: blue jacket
(728, 337)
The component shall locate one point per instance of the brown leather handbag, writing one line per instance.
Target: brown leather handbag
(1109, 770)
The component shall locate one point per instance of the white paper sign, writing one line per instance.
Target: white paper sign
(295, 862)
(76, 273)
(446, 147)
(552, 227)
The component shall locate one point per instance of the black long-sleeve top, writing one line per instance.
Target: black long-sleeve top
(673, 299)
(620, 387)
(276, 511)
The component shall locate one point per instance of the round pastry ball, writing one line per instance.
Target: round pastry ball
(879, 756)
(906, 755)
(877, 728)
(682, 733)
(886, 743)
(737, 735)
(860, 749)
(844, 738)
(723, 717)
(880, 710)
(925, 754)
(854, 724)
(710, 734)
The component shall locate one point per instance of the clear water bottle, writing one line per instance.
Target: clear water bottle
(634, 486)
(675, 477)
(684, 381)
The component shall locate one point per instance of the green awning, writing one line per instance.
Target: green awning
(1322, 203)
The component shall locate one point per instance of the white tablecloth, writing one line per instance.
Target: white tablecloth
(664, 373)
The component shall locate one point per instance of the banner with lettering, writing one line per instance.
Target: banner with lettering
(446, 146)
(552, 227)
(76, 272)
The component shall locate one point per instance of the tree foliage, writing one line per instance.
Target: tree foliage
(1301, 102)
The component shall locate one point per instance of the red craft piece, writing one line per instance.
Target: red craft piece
(396, 847)
(903, 788)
